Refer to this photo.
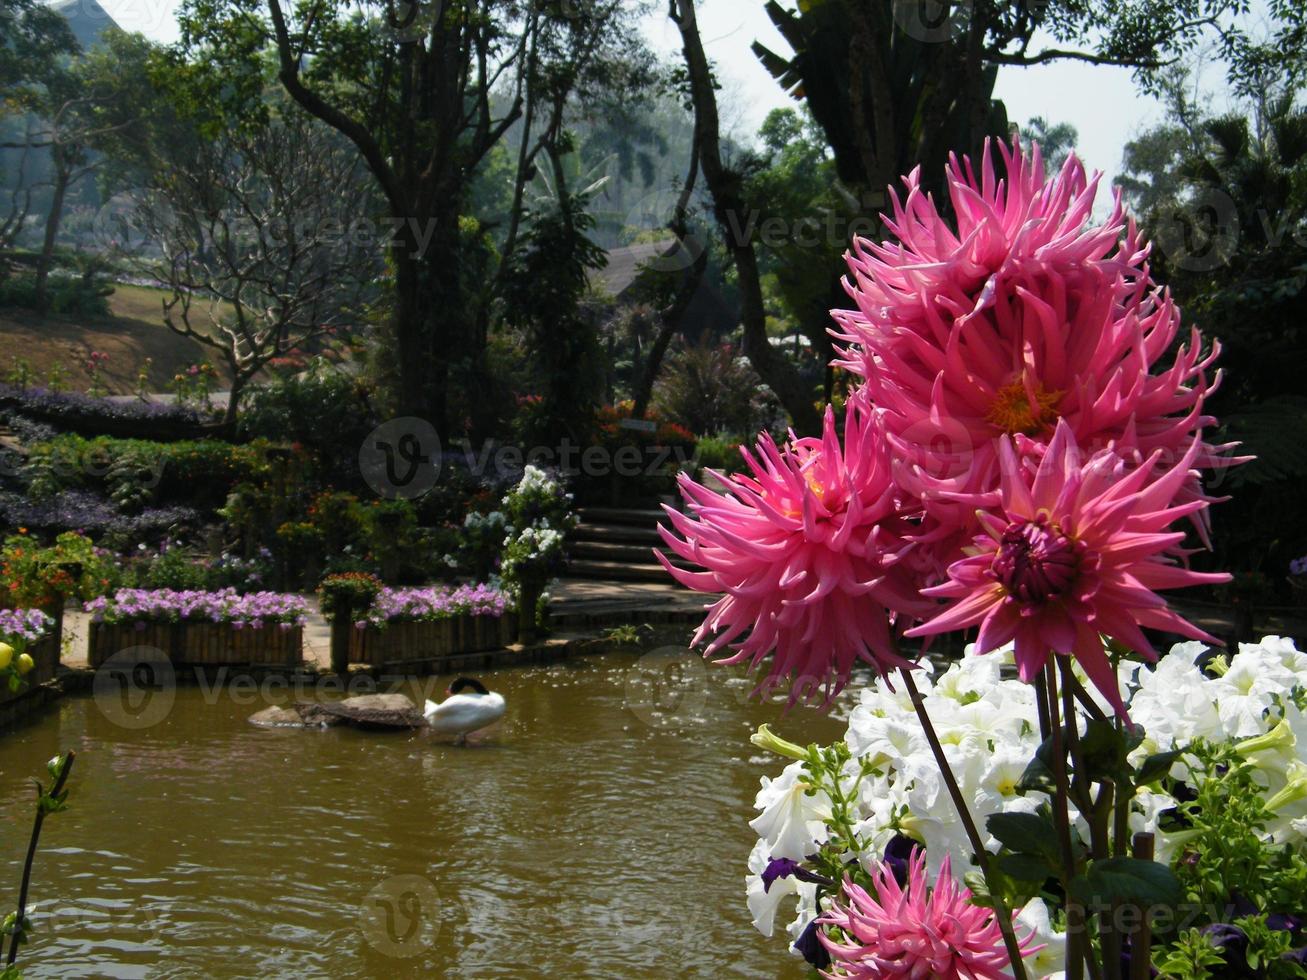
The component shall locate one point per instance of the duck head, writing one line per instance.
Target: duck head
(466, 684)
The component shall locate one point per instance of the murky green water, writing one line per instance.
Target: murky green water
(600, 832)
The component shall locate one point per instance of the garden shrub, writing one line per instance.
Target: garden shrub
(720, 453)
(72, 297)
(322, 409)
(33, 574)
(135, 472)
(713, 389)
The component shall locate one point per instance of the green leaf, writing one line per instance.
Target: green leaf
(1103, 750)
(1025, 833)
(1124, 879)
(1156, 766)
(975, 881)
(1025, 867)
(1037, 778)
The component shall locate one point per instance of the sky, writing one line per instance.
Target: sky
(1101, 102)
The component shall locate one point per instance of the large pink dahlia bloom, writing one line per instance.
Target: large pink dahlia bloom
(918, 933)
(806, 550)
(1027, 313)
(1074, 550)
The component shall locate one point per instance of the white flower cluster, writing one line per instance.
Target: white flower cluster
(534, 544)
(536, 480)
(476, 521)
(1257, 701)
(989, 729)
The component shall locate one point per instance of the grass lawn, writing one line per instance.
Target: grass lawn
(134, 331)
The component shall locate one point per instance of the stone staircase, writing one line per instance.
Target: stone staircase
(617, 545)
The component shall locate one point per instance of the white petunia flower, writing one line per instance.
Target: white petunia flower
(793, 818)
(1050, 961)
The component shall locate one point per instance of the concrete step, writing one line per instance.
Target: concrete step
(646, 534)
(631, 554)
(617, 571)
(617, 515)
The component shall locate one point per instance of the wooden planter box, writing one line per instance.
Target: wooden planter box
(45, 652)
(425, 641)
(217, 644)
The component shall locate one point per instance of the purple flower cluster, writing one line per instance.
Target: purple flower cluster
(86, 511)
(73, 406)
(23, 624)
(253, 609)
(434, 602)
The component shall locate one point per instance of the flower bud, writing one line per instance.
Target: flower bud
(765, 738)
(1295, 790)
(1279, 737)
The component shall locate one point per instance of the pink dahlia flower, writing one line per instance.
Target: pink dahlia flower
(918, 933)
(1027, 313)
(1072, 551)
(806, 550)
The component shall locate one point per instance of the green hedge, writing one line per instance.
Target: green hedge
(137, 472)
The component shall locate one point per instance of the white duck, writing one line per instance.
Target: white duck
(468, 708)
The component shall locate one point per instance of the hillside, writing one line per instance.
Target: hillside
(134, 332)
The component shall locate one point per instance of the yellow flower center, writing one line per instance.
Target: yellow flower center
(1013, 411)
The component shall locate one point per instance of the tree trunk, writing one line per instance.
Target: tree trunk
(734, 218)
(52, 222)
(670, 322)
(408, 329)
(238, 383)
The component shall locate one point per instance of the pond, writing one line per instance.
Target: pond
(600, 831)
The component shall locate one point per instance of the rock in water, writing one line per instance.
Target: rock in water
(277, 718)
(376, 711)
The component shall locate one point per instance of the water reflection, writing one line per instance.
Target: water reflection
(600, 831)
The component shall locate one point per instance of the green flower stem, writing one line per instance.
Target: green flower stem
(1141, 943)
(1001, 912)
(1079, 951)
(1096, 811)
(55, 790)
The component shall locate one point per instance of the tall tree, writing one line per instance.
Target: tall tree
(258, 239)
(733, 212)
(901, 84)
(412, 87)
(1225, 200)
(34, 43)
